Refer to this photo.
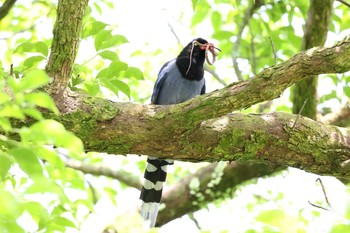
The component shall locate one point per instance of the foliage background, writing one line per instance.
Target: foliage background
(124, 43)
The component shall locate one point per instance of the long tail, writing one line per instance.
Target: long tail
(151, 192)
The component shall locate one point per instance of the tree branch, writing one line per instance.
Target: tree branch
(120, 175)
(65, 43)
(215, 181)
(184, 132)
(235, 51)
(315, 34)
(339, 118)
(5, 8)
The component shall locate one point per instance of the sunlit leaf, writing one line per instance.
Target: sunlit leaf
(52, 132)
(32, 79)
(92, 87)
(93, 28)
(33, 61)
(194, 4)
(28, 161)
(105, 39)
(347, 91)
(41, 99)
(133, 72)
(5, 164)
(12, 110)
(115, 85)
(5, 124)
(25, 47)
(106, 54)
(42, 48)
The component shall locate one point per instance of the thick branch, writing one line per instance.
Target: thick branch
(179, 131)
(65, 43)
(215, 181)
(315, 34)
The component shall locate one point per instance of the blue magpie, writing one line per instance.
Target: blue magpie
(178, 80)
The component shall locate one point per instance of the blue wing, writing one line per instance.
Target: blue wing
(162, 75)
(203, 89)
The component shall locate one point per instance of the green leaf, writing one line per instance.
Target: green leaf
(51, 156)
(194, 4)
(38, 212)
(5, 165)
(113, 70)
(12, 110)
(33, 113)
(93, 29)
(101, 37)
(42, 48)
(115, 85)
(133, 72)
(92, 87)
(4, 98)
(57, 135)
(62, 221)
(41, 99)
(33, 61)
(216, 20)
(32, 79)
(347, 91)
(25, 47)
(5, 124)
(106, 54)
(105, 40)
(332, 95)
(27, 161)
(39, 47)
(341, 228)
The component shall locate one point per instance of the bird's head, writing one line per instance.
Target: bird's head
(197, 51)
(191, 59)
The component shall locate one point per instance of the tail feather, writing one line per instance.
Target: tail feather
(151, 193)
(149, 212)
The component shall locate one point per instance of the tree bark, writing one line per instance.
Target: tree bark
(64, 47)
(304, 93)
(6, 7)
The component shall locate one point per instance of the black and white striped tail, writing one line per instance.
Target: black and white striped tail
(151, 193)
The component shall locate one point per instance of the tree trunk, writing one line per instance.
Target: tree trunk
(304, 93)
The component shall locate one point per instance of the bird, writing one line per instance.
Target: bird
(178, 80)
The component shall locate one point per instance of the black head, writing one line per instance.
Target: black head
(191, 59)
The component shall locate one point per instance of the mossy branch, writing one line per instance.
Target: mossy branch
(201, 130)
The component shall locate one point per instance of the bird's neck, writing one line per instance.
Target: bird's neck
(190, 70)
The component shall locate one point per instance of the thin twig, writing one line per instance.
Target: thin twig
(273, 50)
(299, 114)
(252, 47)
(318, 206)
(215, 75)
(122, 176)
(174, 33)
(191, 216)
(324, 191)
(325, 197)
(248, 14)
(344, 2)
